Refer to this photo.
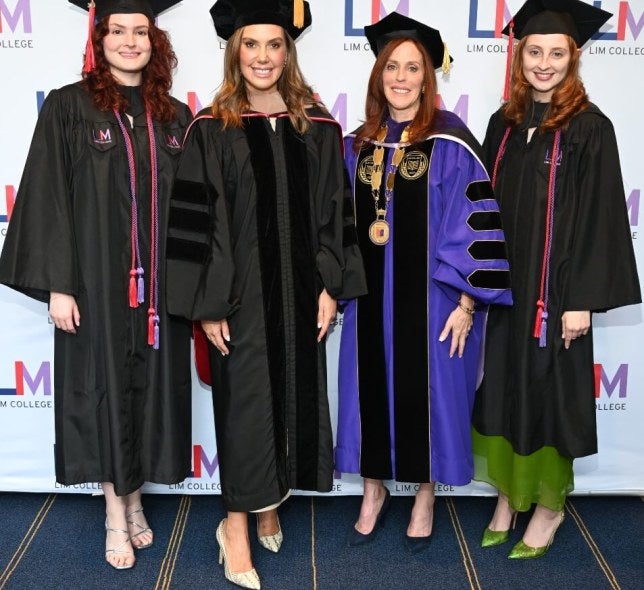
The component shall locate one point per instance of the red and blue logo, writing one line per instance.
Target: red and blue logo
(629, 24)
(10, 200)
(488, 18)
(202, 464)
(26, 380)
(368, 12)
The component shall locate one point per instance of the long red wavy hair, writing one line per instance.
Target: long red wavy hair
(376, 102)
(568, 99)
(157, 75)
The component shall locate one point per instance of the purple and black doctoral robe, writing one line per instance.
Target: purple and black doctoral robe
(404, 404)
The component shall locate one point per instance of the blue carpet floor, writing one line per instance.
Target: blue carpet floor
(56, 542)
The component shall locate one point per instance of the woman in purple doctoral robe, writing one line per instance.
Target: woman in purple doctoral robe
(434, 253)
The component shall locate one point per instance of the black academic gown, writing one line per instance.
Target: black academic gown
(261, 222)
(534, 396)
(122, 409)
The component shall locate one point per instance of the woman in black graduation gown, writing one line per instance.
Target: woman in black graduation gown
(84, 238)
(553, 158)
(259, 250)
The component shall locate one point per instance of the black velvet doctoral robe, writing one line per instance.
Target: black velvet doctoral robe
(122, 409)
(261, 222)
(534, 396)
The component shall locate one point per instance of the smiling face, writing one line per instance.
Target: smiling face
(127, 47)
(262, 55)
(546, 59)
(402, 81)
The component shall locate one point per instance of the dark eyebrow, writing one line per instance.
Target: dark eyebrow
(137, 28)
(244, 39)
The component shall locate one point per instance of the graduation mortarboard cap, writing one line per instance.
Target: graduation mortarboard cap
(229, 15)
(99, 9)
(397, 26)
(568, 17)
(551, 17)
(151, 8)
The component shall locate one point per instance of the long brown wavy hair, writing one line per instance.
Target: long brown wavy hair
(231, 99)
(376, 102)
(568, 99)
(157, 75)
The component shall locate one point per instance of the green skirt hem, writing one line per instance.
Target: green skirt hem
(543, 477)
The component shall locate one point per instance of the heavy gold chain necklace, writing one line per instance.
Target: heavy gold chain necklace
(379, 229)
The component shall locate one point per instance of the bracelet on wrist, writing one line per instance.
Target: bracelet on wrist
(467, 310)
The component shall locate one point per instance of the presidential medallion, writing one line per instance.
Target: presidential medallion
(379, 232)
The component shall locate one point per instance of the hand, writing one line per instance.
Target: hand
(573, 325)
(459, 323)
(327, 307)
(64, 312)
(218, 333)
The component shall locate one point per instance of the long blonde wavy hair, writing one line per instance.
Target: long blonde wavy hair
(231, 99)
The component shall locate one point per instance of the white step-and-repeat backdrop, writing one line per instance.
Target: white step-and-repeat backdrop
(41, 44)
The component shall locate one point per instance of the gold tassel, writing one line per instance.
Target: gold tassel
(298, 13)
(445, 65)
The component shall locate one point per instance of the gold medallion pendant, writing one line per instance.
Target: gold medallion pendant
(379, 232)
(372, 169)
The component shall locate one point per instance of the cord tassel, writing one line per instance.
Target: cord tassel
(298, 13)
(544, 327)
(132, 294)
(155, 345)
(508, 63)
(140, 285)
(536, 332)
(151, 314)
(89, 63)
(445, 66)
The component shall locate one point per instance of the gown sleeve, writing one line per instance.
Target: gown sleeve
(39, 254)
(603, 274)
(200, 268)
(338, 260)
(470, 245)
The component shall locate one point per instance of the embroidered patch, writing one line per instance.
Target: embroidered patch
(102, 135)
(365, 168)
(172, 141)
(414, 165)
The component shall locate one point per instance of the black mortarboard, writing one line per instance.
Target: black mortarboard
(569, 17)
(396, 26)
(99, 9)
(151, 8)
(229, 15)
